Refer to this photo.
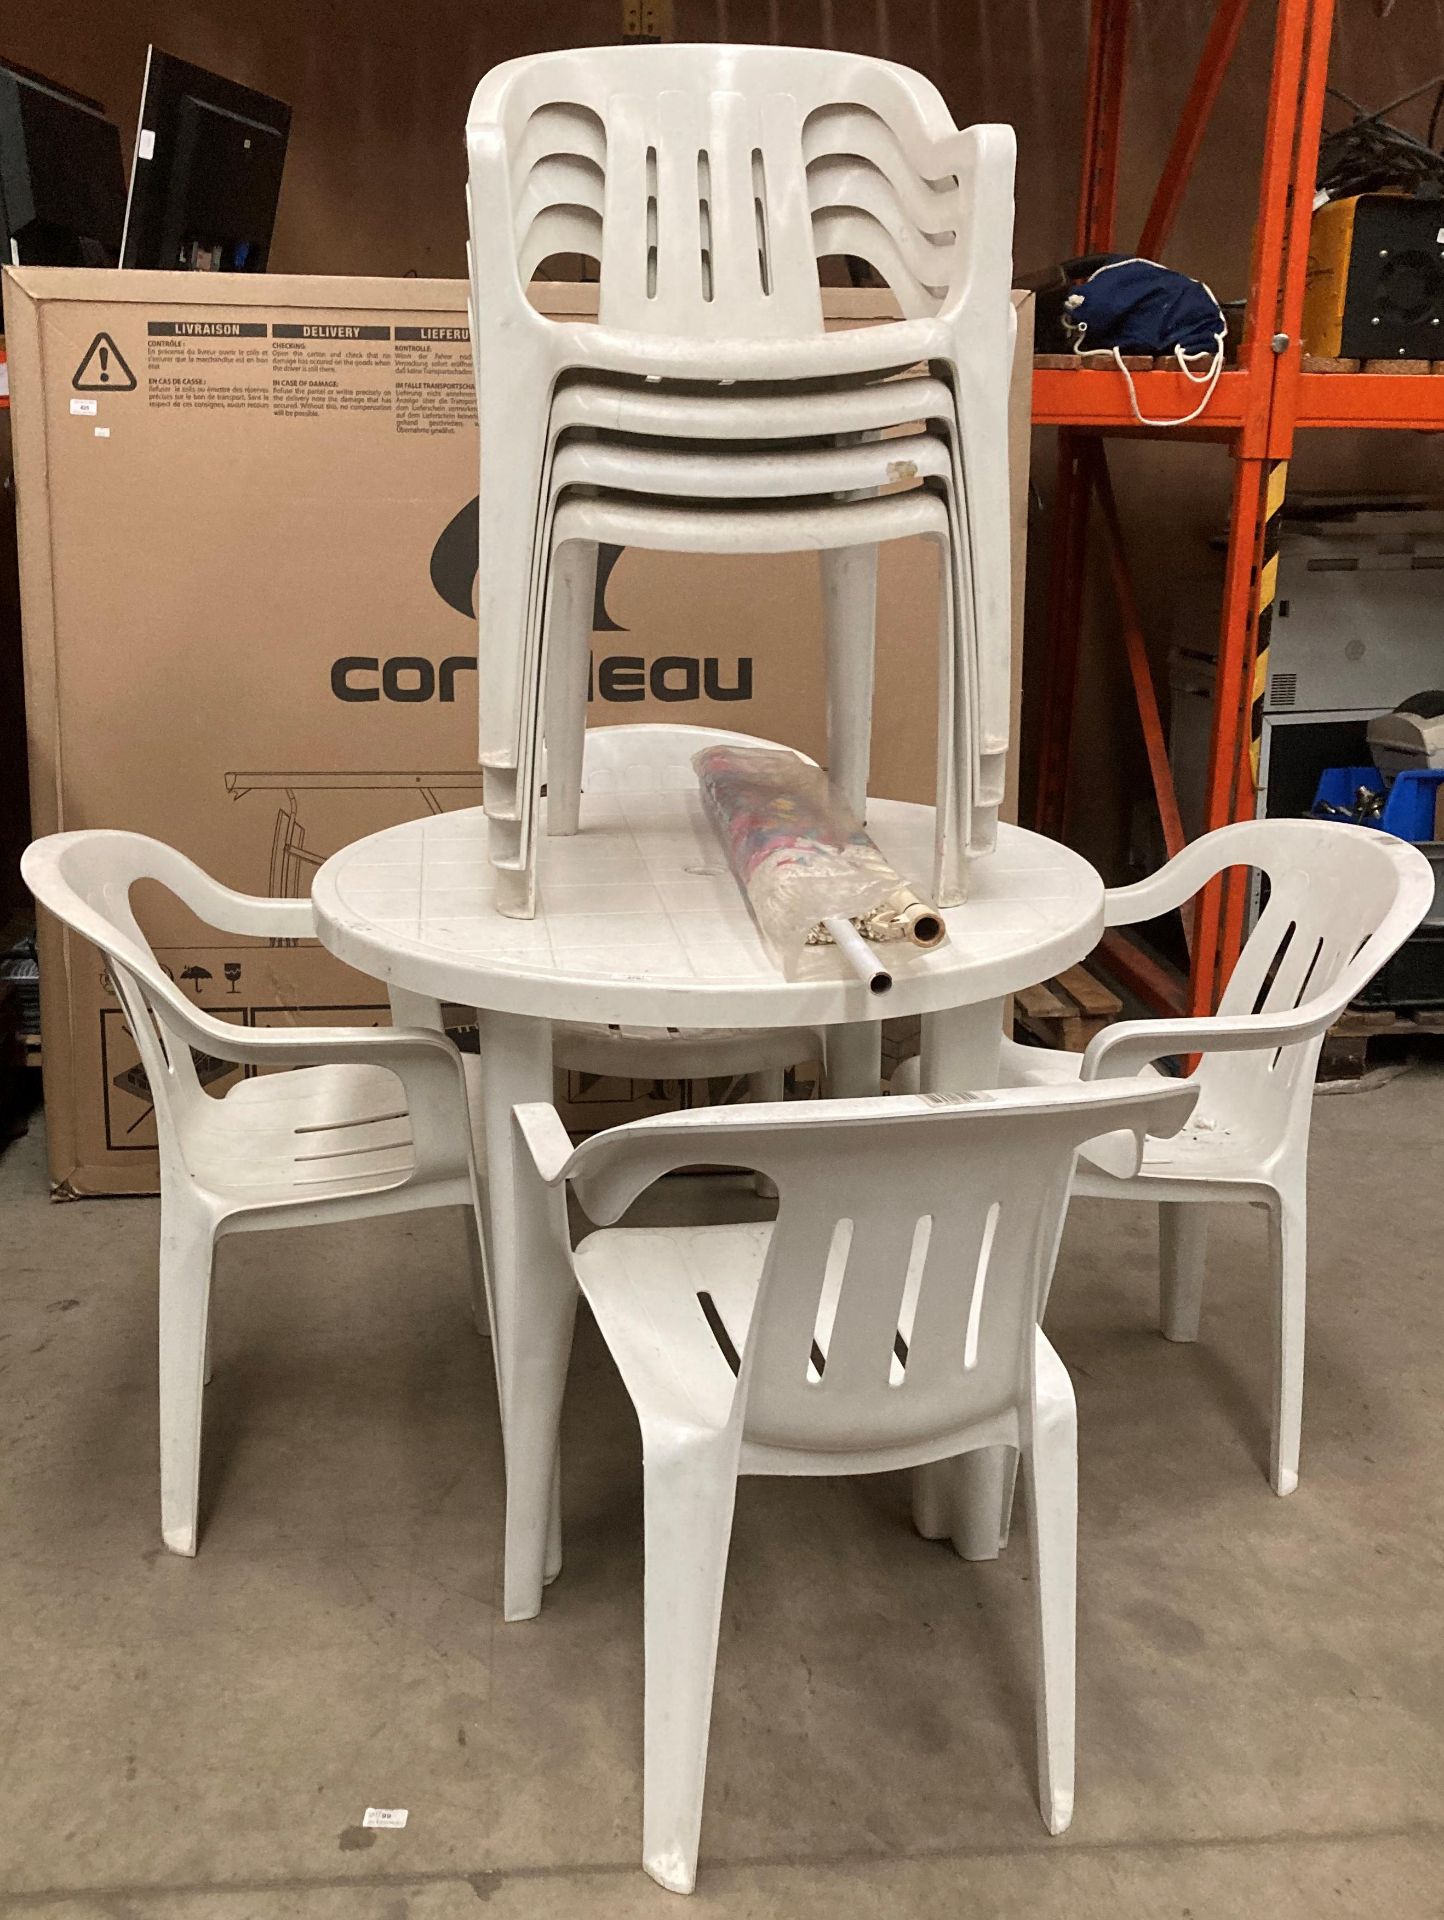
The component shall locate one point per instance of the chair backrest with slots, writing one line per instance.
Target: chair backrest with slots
(1340, 900)
(912, 1245)
(706, 182)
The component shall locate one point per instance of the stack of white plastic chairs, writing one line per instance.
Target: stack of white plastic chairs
(709, 412)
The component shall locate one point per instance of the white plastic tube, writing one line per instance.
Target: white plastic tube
(859, 955)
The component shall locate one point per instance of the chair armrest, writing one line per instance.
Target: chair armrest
(544, 1152)
(545, 1138)
(1185, 876)
(232, 912)
(252, 913)
(1130, 1045)
(427, 1064)
(1162, 892)
(305, 1046)
(334, 1046)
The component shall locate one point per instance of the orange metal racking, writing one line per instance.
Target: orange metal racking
(1260, 403)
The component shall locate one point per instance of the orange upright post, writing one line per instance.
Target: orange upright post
(1271, 351)
(1284, 396)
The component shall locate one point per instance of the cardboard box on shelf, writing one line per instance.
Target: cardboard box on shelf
(247, 551)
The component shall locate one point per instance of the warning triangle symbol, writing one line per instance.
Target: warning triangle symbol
(103, 370)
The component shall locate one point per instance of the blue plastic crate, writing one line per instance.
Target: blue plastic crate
(1338, 785)
(1409, 809)
(1409, 802)
(1408, 814)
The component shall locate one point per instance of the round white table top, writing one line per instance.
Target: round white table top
(640, 922)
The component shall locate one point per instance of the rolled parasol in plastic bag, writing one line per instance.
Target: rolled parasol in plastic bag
(807, 869)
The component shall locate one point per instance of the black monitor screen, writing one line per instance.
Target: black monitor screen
(207, 173)
(62, 181)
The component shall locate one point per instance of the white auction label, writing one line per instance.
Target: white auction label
(384, 1817)
(84, 406)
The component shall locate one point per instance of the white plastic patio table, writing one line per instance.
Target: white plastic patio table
(640, 923)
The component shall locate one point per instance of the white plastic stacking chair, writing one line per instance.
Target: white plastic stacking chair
(620, 440)
(655, 417)
(861, 588)
(1341, 900)
(708, 181)
(888, 1318)
(762, 473)
(582, 524)
(738, 497)
(367, 1121)
(668, 411)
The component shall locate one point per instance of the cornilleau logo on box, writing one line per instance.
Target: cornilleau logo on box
(409, 678)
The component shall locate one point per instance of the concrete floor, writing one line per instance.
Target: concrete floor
(1261, 1715)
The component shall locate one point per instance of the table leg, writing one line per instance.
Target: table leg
(962, 1048)
(852, 1067)
(964, 1498)
(534, 1304)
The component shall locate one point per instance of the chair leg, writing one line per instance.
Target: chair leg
(533, 1305)
(932, 1500)
(767, 1086)
(968, 1500)
(907, 1075)
(982, 1481)
(475, 1270)
(517, 418)
(533, 1457)
(1288, 1247)
(211, 1330)
(187, 1251)
(952, 824)
(552, 1564)
(569, 665)
(1182, 1243)
(690, 1491)
(849, 612)
(1051, 1470)
(1011, 1466)
(765, 1089)
(852, 1062)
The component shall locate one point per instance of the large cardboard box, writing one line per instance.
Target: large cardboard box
(247, 548)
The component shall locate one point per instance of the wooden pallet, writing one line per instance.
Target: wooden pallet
(1165, 363)
(1068, 1011)
(1104, 363)
(1324, 363)
(1351, 1045)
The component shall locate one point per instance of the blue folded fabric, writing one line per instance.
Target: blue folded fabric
(1137, 306)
